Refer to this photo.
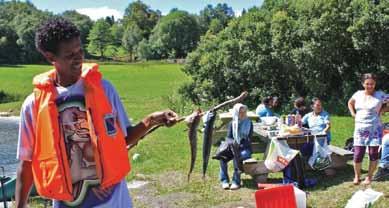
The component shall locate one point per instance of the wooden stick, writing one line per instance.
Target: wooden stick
(215, 108)
(232, 101)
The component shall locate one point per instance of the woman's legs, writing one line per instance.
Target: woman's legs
(373, 156)
(359, 152)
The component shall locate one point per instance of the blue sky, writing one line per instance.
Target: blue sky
(101, 8)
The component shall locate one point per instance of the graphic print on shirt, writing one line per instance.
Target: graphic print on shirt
(79, 148)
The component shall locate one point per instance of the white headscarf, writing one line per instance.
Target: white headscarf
(240, 128)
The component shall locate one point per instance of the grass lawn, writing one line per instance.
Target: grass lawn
(164, 155)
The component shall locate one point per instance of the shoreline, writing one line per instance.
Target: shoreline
(9, 118)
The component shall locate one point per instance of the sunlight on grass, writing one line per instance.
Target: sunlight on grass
(142, 88)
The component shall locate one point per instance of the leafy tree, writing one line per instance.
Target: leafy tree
(141, 15)
(145, 50)
(175, 35)
(215, 26)
(222, 12)
(100, 38)
(83, 23)
(110, 20)
(293, 48)
(117, 31)
(131, 38)
(23, 18)
(9, 50)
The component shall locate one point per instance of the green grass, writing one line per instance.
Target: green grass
(164, 155)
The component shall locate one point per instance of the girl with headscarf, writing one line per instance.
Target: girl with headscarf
(240, 130)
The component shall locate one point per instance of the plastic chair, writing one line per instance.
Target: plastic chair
(277, 197)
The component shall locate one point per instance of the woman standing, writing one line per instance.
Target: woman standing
(365, 106)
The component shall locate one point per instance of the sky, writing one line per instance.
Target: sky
(96, 9)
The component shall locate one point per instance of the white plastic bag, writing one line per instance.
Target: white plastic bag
(279, 155)
(363, 199)
(321, 156)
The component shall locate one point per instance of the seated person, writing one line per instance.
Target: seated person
(383, 166)
(276, 106)
(318, 120)
(299, 107)
(240, 130)
(265, 108)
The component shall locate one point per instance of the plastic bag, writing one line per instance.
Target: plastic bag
(279, 155)
(363, 199)
(321, 156)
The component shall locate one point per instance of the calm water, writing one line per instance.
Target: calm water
(9, 127)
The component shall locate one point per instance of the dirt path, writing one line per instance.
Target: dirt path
(171, 190)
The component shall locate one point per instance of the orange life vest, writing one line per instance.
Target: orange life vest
(50, 166)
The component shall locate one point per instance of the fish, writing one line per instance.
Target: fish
(209, 121)
(193, 122)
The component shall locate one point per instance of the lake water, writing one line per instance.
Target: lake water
(9, 128)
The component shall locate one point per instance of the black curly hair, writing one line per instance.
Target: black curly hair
(52, 32)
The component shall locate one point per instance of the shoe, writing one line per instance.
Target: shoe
(234, 186)
(225, 185)
(381, 174)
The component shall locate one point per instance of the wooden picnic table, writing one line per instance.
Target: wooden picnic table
(260, 143)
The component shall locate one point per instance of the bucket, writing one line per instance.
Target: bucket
(301, 198)
(277, 197)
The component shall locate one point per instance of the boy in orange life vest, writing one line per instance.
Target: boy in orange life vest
(74, 130)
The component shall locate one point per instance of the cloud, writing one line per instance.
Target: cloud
(100, 12)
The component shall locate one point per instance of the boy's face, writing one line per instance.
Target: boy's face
(68, 59)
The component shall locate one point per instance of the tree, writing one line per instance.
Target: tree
(9, 50)
(141, 15)
(100, 38)
(175, 35)
(145, 50)
(215, 26)
(83, 23)
(110, 20)
(222, 12)
(131, 38)
(117, 31)
(23, 18)
(293, 48)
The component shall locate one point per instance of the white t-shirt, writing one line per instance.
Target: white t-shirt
(73, 123)
(368, 107)
(368, 127)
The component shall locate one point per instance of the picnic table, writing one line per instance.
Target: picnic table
(294, 141)
(262, 135)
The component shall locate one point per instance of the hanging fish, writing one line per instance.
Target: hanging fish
(193, 122)
(209, 121)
